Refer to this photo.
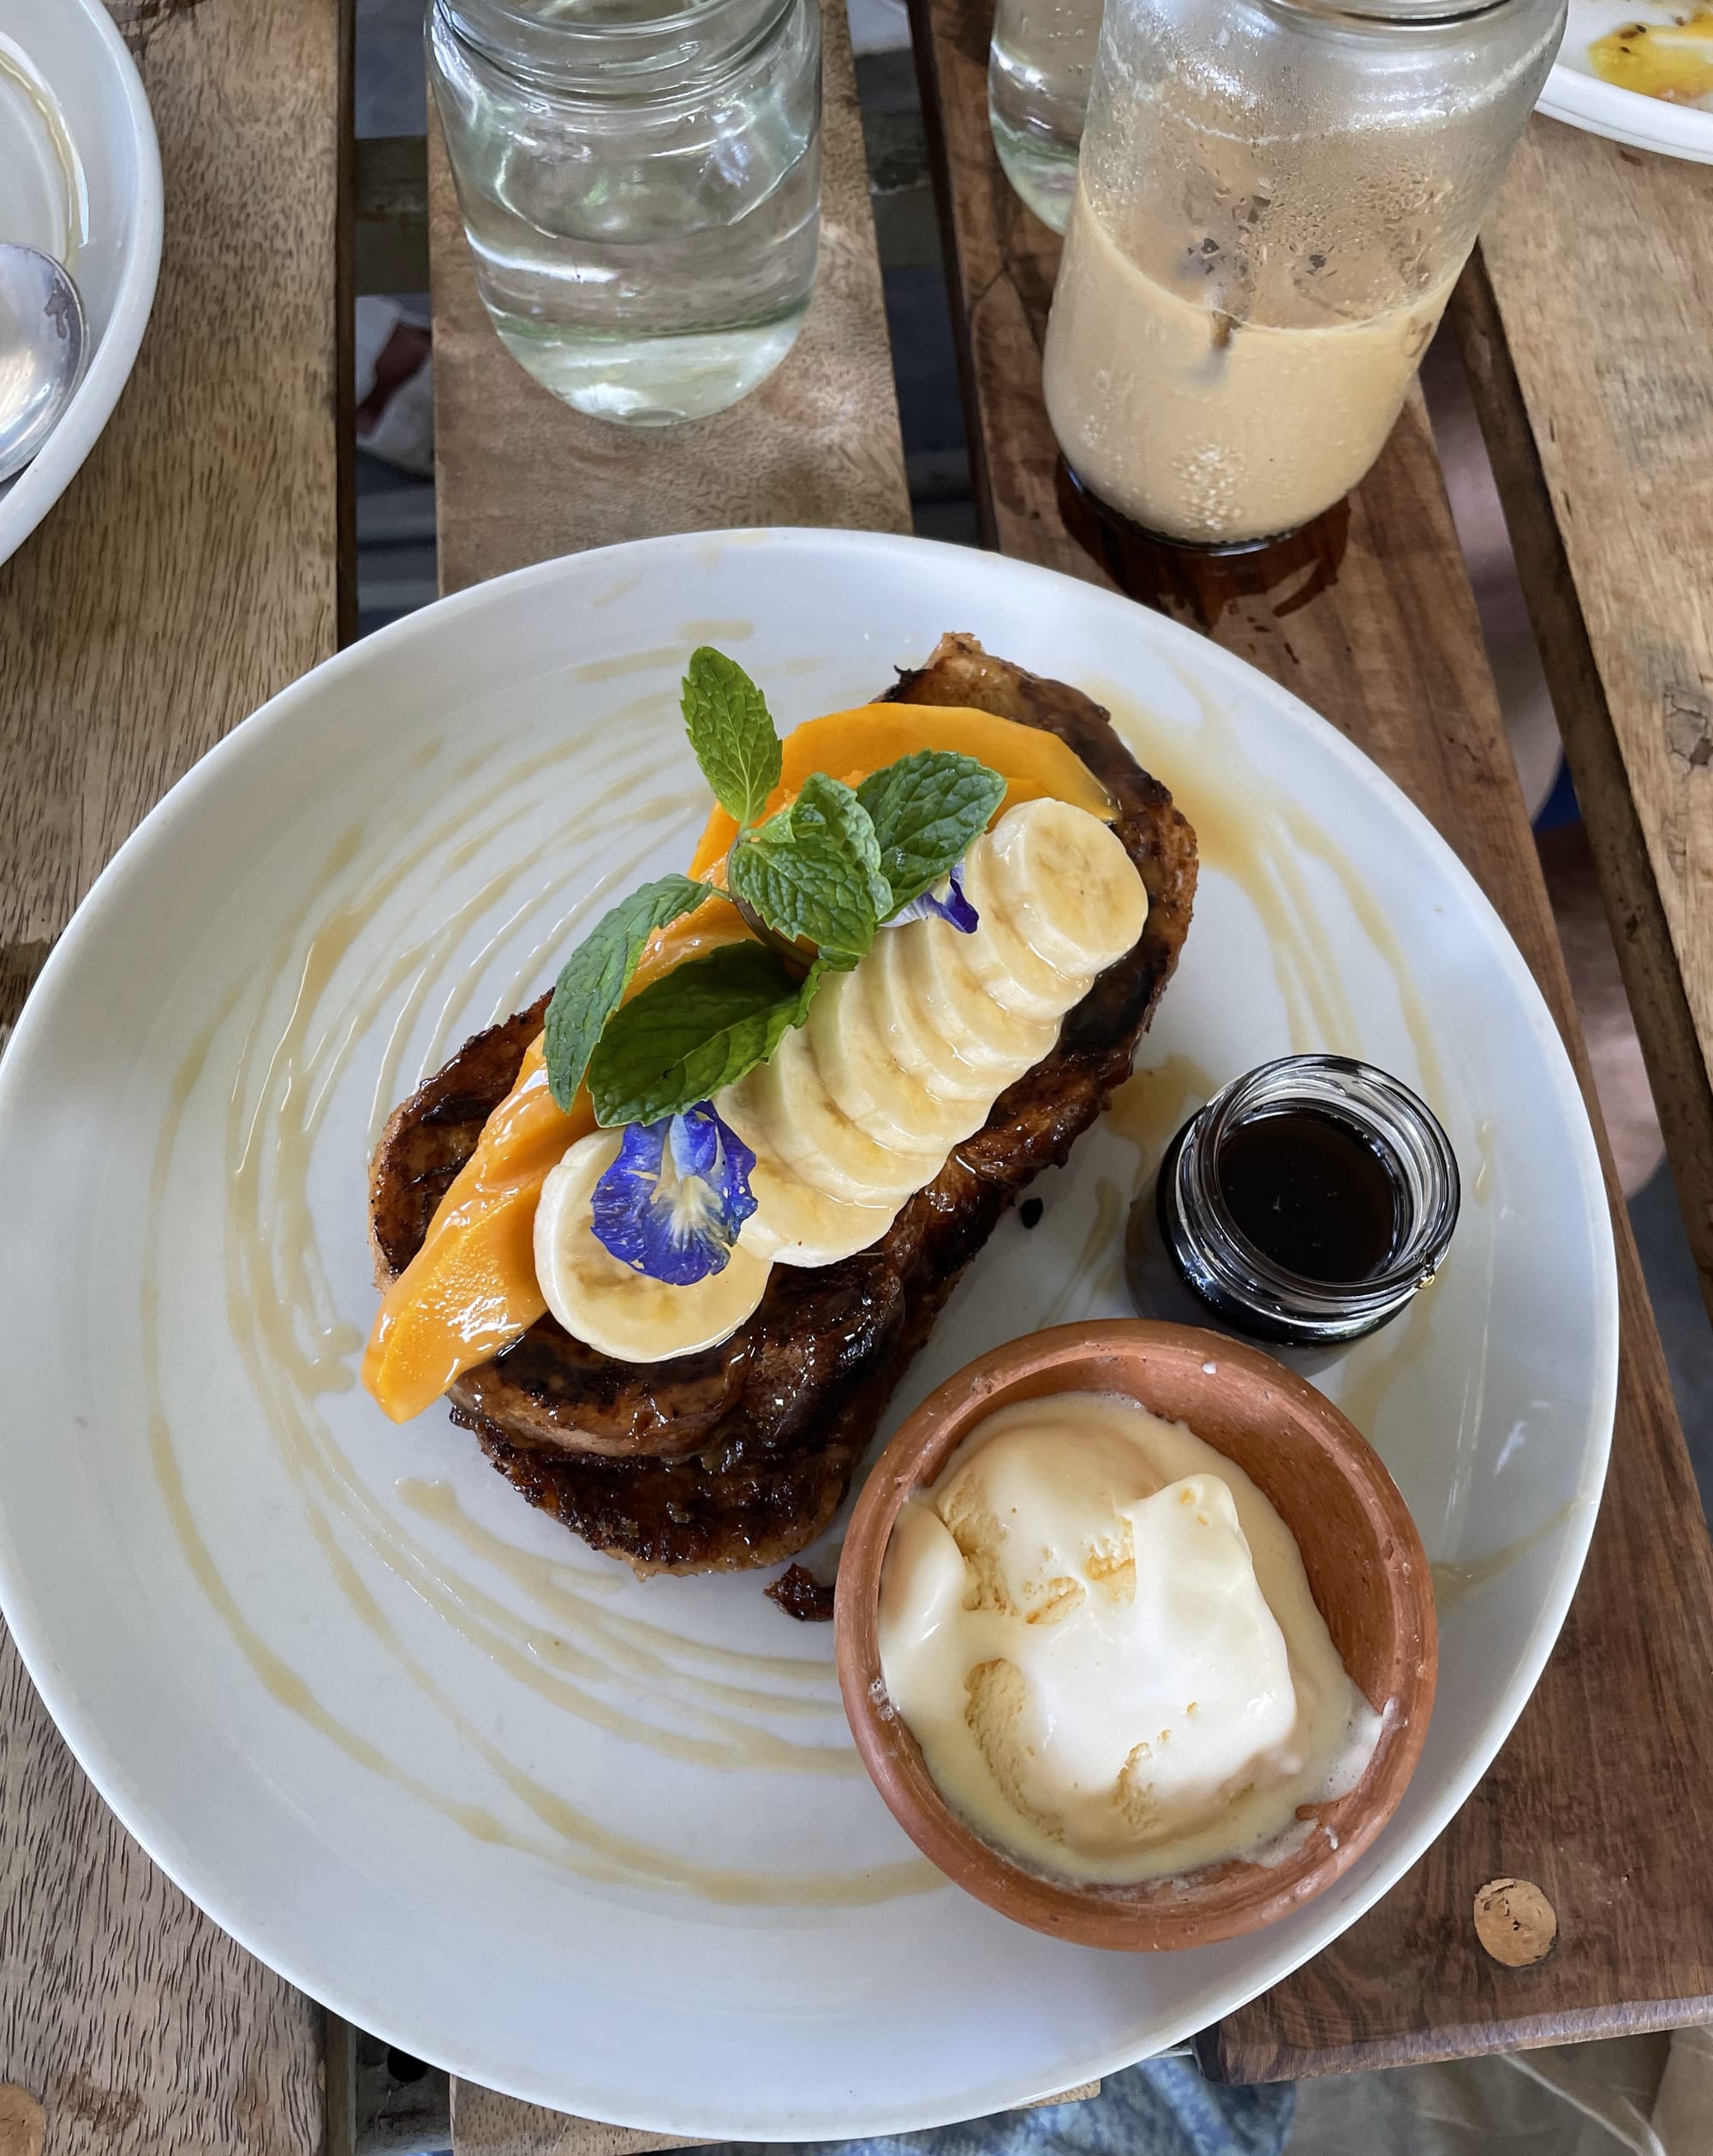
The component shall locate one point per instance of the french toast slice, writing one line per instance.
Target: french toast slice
(738, 1456)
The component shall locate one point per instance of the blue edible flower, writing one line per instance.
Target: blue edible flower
(945, 901)
(673, 1200)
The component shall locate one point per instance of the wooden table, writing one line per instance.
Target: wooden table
(204, 559)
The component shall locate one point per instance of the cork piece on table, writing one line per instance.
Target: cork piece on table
(521, 478)
(1585, 1799)
(192, 568)
(1586, 323)
(23, 2122)
(1515, 1922)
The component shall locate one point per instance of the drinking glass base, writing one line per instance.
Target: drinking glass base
(643, 380)
(1041, 168)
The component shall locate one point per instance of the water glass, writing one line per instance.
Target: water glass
(1039, 65)
(640, 185)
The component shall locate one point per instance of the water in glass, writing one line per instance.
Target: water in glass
(640, 189)
(1039, 65)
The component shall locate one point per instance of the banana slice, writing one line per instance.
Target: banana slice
(1003, 1043)
(796, 1224)
(997, 958)
(606, 1304)
(782, 1107)
(867, 1081)
(1067, 885)
(910, 1037)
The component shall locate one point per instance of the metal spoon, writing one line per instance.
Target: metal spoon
(43, 334)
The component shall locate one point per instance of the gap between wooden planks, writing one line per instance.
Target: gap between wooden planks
(1586, 323)
(1596, 1797)
(520, 477)
(197, 564)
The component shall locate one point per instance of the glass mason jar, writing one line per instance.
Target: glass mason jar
(641, 184)
(1305, 1205)
(1039, 65)
(1274, 200)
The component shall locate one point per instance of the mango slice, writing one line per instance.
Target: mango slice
(850, 744)
(471, 1289)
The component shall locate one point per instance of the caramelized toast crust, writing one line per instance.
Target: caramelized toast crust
(739, 1456)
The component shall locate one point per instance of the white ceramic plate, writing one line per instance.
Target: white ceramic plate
(1575, 94)
(604, 1844)
(80, 179)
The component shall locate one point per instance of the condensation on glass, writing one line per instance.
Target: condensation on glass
(640, 185)
(1275, 198)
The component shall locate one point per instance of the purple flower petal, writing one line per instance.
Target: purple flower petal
(671, 1203)
(946, 902)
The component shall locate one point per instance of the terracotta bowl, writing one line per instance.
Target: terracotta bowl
(1365, 1564)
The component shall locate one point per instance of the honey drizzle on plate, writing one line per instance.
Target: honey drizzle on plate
(1250, 834)
(295, 1348)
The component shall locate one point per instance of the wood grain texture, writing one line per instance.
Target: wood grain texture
(487, 2123)
(191, 570)
(1596, 396)
(521, 477)
(1595, 1797)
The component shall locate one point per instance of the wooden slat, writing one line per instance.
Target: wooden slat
(521, 477)
(1596, 394)
(487, 2123)
(191, 570)
(1596, 1796)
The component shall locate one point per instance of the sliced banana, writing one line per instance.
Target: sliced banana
(616, 1311)
(1004, 1043)
(1065, 883)
(868, 1083)
(796, 1224)
(998, 959)
(783, 1108)
(909, 1036)
(901, 1059)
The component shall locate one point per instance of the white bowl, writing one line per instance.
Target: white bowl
(79, 178)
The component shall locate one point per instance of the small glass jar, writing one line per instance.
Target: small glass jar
(1039, 65)
(1274, 200)
(1303, 1206)
(640, 186)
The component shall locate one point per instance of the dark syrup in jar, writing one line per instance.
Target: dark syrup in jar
(1311, 1193)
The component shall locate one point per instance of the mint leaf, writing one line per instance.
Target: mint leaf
(702, 1026)
(726, 716)
(598, 972)
(813, 870)
(926, 808)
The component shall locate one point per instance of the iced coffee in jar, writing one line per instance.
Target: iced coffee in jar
(1274, 200)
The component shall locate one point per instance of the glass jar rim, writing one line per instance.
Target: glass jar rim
(595, 58)
(526, 18)
(1360, 1092)
(1397, 15)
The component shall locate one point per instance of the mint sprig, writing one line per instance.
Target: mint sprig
(826, 871)
(596, 975)
(926, 808)
(699, 1028)
(814, 872)
(726, 717)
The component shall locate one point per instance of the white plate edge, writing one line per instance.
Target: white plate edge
(178, 1862)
